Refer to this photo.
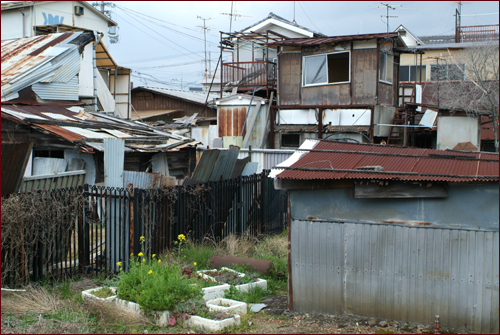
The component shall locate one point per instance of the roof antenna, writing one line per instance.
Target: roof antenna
(387, 6)
(294, 12)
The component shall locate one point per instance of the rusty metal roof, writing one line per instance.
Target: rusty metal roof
(88, 129)
(336, 39)
(333, 160)
(49, 64)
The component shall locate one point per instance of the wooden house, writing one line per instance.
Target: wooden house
(342, 86)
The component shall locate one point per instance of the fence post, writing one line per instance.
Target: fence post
(81, 239)
(263, 199)
(138, 198)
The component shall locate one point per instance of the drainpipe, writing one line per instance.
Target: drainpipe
(24, 22)
(33, 30)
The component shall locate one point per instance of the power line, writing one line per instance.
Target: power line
(158, 34)
(177, 31)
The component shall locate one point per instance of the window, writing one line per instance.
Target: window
(386, 65)
(412, 72)
(327, 69)
(447, 72)
(290, 140)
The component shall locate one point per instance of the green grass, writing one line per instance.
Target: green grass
(200, 254)
(254, 295)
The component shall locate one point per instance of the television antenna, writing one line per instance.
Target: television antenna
(233, 14)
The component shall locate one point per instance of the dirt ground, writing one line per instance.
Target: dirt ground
(276, 318)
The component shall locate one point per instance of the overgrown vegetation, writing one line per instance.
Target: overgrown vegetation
(34, 224)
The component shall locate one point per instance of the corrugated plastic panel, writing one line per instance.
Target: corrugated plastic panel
(114, 157)
(205, 166)
(43, 165)
(141, 179)
(66, 91)
(14, 160)
(217, 171)
(53, 181)
(395, 272)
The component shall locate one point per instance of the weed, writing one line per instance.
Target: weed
(254, 295)
(104, 293)
(383, 332)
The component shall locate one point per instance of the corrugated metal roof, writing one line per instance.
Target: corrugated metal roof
(336, 39)
(333, 160)
(191, 96)
(89, 129)
(49, 58)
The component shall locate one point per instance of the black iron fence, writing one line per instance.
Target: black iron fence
(104, 225)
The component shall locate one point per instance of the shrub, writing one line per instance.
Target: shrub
(155, 286)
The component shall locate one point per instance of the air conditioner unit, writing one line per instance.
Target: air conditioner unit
(78, 10)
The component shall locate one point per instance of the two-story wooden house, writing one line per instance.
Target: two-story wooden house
(340, 87)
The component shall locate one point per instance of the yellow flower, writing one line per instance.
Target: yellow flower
(142, 238)
(140, 254)
(194, 263)
(132, 254)
(154, 255)
(120, 269)
(144, 259)
(182, 249)
(159, 261)
(181, 237)
(150, 272)
(119, 263)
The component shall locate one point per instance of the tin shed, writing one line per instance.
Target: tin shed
(392, 232)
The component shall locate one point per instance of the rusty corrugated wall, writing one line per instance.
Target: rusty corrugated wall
(231, 120)
(15, 157)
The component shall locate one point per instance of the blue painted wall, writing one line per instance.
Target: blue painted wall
(468, 205)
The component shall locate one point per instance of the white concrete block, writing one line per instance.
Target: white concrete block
(89, 295)
(235, 307)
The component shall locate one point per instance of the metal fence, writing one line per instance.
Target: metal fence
(106, 225)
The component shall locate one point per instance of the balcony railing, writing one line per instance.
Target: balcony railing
(249, 74)
(477, 33)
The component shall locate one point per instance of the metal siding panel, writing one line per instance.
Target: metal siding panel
(141, 179)
(463, 276)
(397, 291)
(478, 281)
(89, 164)
(350, 290)
(470, 276)
(494, 296)
(454, 280)
(487, 281)
(114, 155)
(420, 293)
(43, 165)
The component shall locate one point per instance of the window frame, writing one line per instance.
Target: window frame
(448, 65)
(386, 54)
(423, 71)
(290, 134)
(326, 56)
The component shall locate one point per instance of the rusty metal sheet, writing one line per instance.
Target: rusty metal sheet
(205, 166)
(334, 160)
(14, 160)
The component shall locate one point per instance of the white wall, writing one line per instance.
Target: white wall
(86, 80)
(452, 130)
(51, 12)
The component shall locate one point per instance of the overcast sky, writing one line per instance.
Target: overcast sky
(163, 41)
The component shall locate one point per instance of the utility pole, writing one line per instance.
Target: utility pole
(387, 7)
(205, 34)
